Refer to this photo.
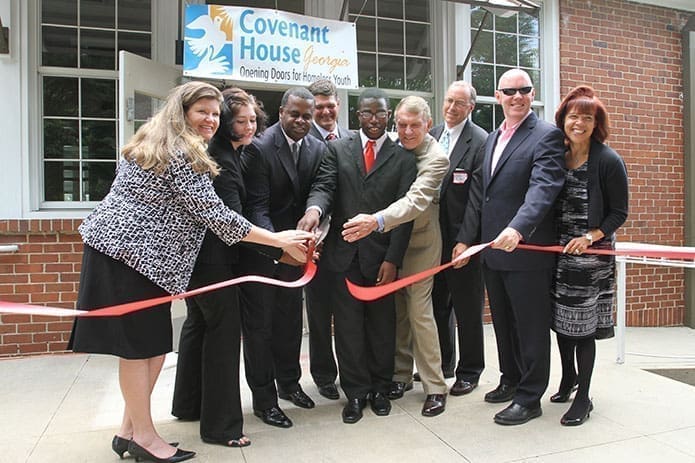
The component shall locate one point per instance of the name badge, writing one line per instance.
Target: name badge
(460, 176)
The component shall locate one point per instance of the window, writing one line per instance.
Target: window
(80, 40)
(505, 41)
(394, 50)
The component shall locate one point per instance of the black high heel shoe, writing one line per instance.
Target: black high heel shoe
(142, 454)
(120, 445)
(563, 396)
(576, 421)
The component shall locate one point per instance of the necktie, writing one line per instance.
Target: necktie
(444, 141)
(331, 136)
(295, 153)
(369, 155)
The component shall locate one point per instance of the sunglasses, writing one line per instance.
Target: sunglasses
(512, 91)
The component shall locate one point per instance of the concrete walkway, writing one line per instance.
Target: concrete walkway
(66, 408)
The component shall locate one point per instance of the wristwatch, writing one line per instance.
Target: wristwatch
(590, 237)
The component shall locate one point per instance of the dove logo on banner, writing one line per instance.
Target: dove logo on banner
(261, 45)
(208, 41)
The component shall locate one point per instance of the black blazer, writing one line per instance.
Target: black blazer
(343, 190)
(342, 133)
(276, 188)
(466, 158)
(519, 194)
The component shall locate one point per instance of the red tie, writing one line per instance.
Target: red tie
(331, 136)
(369, 155)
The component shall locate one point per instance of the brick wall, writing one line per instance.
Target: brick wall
(631, 54)
(45, 271)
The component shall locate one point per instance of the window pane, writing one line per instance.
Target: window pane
(61, 139)
(97, 49)
(477, 15)
(366, 64)
(529, 52)
(483, 77)
(506, 24)
(536, 79)
(417, 10)
(138, 44)
(483, 49)
(482, 115)
(59, 12)
(362, 8)
(98, 98)
(97, 178)
(390, 9)
(59, 96)
(419, 74)
(59, 46)
(391, 72)
(499, 117)
(417, 39)
(390, 36)
(366, 34)
(61, 180)
(98, 139)
(98, 13)
(135, 15)
(505, 47)
(528, 24)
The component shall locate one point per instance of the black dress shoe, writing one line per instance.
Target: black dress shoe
(517, 414)
(434, 405)
(352, 412)
(398, 388)
(120, 445)
(381, 405)
(274, 416)
(329, 391)
(447, 374)
(502, 393)
(141, 454)
(462, 387)
(563, 395)
(298, 397)
(569, 420)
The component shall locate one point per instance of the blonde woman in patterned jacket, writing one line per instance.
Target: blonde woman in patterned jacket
(141, 242)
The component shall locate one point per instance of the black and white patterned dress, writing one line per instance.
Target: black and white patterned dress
(585, 284)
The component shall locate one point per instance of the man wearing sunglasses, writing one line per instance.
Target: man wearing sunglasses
(522, 174)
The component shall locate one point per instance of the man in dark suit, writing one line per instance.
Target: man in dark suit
(364, 172)
(461, 288)
(279, 168)
(319, 313)
(523, 172)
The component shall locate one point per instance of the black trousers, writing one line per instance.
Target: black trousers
(272, 328)
(365, 336)
(521, 312)
(320, 316)
(463, 291)
(207, 373)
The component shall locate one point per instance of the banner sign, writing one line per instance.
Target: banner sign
(260, 45)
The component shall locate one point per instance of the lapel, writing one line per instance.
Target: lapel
(517, 139)
(284, 156)
(461, 148)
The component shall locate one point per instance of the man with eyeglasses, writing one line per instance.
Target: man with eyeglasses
(459, 289)
(523, 171)
(362, 173)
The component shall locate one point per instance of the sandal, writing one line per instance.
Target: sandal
(242, 441)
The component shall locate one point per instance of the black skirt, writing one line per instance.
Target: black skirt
(105, 281)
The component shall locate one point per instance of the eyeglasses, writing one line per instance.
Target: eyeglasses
(512, 91)
(457, 103)
(367, 115)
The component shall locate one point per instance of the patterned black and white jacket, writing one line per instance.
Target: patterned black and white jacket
(155, 223)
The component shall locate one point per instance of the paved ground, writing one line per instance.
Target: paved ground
(66, 408)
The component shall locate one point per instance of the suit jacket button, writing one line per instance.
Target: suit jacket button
(487, 198)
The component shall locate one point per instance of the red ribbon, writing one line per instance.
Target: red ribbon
(129, 307)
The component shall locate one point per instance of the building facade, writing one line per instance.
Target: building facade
(60, 84)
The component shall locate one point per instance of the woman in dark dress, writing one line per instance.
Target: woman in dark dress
(207, 375)
(142, 240)
(591, 207)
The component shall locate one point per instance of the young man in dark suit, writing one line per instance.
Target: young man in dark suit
(364, 172)
(279, 168)
(461, 289)
(523, 172)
